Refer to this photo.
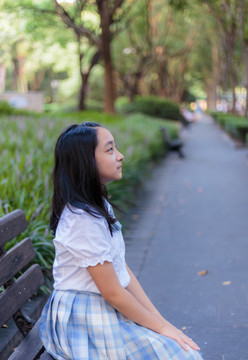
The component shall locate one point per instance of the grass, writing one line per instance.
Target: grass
(26, 162)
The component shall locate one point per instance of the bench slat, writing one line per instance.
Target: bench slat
(30, 347)
(18, 293)
(12, 225)
(45, 356)
(15, 259)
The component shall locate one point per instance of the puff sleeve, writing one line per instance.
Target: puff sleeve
(86, 238)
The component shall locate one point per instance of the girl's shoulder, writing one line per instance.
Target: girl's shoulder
(73, 216)
(71, 212)
(75, 224)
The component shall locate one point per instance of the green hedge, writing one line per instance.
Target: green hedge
(154, 106)
(7, 109)
(26, 162)
(235, 125)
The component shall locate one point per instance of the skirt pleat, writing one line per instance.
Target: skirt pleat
(83, 326)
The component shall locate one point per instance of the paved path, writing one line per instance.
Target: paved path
(194, 217)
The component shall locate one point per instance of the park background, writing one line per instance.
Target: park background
(134, 66)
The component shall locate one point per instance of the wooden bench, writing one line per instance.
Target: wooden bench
(173, 145)
(15, 292)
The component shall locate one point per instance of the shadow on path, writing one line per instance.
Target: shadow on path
(194, 218)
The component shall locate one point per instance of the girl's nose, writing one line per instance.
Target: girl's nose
(120, 156)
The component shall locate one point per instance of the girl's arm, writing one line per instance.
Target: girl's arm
(137, 291)
(126, 303)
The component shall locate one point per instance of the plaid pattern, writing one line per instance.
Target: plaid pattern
(83, 326)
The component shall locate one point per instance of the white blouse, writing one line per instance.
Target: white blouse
(82, 240)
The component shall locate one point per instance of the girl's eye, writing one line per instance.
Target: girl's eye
(110, 149)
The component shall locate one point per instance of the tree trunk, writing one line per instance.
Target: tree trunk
(37, 80)
(163, 76)
(82, 96)
(135, 86)
(246, 102)
(109, 95)
(234, 111)
(245, 57)
(2, 77)
(131, 84)
(23, 84)
(231, 39)
(85, 76)
(211, 94)
(15, 73)
(211, 84)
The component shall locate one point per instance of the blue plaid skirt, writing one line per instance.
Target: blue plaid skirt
(83, 326)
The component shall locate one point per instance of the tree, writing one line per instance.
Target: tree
(86, 38)
(133, 52)
(14, 47)
(174, 36)
(226, 14)
(243, 15)
(107, 13)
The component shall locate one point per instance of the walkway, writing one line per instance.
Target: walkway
(194, 221)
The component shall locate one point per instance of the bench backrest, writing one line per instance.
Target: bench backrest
(16, 291)
(165, 135)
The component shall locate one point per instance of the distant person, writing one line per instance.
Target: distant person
(98, 309)
(188, 115)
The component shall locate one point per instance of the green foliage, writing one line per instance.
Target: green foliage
(5, 108)
(235, 125)
(26, 162)
(154, 106)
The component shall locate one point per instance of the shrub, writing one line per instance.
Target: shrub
(5, 108)
(154, 106)
(235, 125)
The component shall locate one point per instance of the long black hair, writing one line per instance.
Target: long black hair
(76, 180)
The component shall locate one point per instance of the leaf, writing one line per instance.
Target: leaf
(225, 283)
(203, 272)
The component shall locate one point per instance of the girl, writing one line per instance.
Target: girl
(98, 310)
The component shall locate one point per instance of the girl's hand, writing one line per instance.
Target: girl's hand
(173, 333)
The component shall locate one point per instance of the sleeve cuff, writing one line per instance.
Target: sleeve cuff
(93, 261)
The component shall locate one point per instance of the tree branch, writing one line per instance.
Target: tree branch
(117, 4)
(70, 22)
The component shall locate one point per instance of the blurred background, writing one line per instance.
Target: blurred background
(133, 66)
(75, 54)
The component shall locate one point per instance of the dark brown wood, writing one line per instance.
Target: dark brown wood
(172, 144)
(46, 356)
(15, 259)
(12, 225)
(18, 293)
(30, 347)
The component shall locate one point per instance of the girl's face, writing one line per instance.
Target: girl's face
(108, 158)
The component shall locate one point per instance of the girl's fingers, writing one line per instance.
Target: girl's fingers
(190, 342)
(182, 343)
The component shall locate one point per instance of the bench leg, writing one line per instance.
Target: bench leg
(180, 153)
